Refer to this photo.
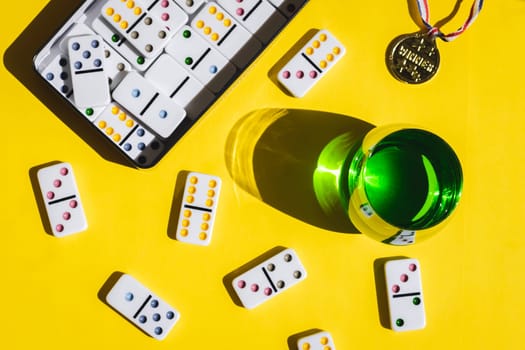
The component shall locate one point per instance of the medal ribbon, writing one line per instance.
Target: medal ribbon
(434, 31)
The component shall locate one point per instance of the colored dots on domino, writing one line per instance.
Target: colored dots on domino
(197, 213)
(317, 341)
(313, 61)
(61, 199)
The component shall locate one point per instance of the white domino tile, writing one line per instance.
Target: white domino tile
(121, 45)
(226, 34)
(114, 63)
(269, 278)
(148, 104)
(128, 134)
(200, 59)
(177, 83)
(147, 25)
(258, 16)
(142, 307)
(190, 6)
(57, 74)
(198, 208)
(405, 295)
(311, 63)
(61, 197)
(88, 76)
(318, 341)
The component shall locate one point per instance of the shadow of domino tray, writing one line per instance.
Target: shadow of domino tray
(164, 64)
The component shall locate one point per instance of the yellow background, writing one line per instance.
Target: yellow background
(472, 270)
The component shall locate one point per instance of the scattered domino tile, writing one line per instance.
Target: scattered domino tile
(62, 199)
(269, 278)
(197, 56)
(156, 110)
(258, 16)
(405, 294)
(86, 63)
(311, 63)
(198, 209)
(226, 34)
(317, 341)
(147, 25)
(142, 307)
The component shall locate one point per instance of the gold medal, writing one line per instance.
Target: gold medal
(413, 58)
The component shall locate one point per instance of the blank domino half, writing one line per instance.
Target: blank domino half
(317, 341)
(311, 63)
(269, 278)
(198, 209)
(62, 200)
(142, 307)
(405, 294)
(173, 80)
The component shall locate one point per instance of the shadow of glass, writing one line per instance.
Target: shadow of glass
(292, 161)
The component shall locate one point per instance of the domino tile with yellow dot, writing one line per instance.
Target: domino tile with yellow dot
(318, 341)
(198, 209)
(147, 25)
(226, 34)
(311, 63)
(138, 143)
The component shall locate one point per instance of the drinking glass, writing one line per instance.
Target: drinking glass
(401, 184)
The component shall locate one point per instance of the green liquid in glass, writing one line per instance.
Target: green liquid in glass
(401, 184)
(412, 179)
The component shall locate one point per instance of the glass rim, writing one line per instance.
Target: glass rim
(441, 155)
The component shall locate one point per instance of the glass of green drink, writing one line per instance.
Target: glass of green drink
(401, 184)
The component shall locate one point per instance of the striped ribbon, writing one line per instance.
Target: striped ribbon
(434, 31)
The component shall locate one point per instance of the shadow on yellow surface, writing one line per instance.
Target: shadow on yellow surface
(37, 191)
(290, 159)
(18, 59)
(178, 193)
